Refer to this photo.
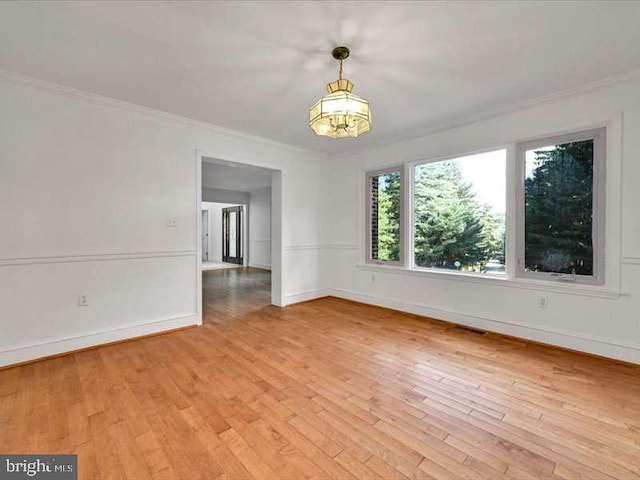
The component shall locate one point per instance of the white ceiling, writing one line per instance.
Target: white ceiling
(256, 67)
(236, 177)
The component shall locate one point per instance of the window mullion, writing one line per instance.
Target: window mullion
(407, 222)
(514, 220)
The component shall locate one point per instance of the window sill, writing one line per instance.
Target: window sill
(497, 279)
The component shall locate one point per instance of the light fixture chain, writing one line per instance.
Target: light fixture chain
(340, 73)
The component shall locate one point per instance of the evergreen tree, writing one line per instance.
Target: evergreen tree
(389, 217)
(451, 229)
(493, 233)
(559, 210)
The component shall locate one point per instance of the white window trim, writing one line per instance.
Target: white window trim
(495, 280)
(611, 287)
(599, 191)
(401, 169)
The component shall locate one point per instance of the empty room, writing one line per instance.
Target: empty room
(283, 240)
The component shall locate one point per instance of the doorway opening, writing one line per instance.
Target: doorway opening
(240, 238)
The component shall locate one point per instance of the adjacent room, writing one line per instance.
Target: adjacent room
(223, 236)
(269, 240)
(235, 238)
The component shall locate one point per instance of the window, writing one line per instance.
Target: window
(459, 208)
(384, 209)
(532, 210)
(561, 207)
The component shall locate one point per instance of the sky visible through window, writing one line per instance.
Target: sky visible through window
(487, 175)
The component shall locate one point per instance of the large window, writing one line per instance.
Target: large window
(459, 208)
(532, 210)
(561, 208)
(384, 207)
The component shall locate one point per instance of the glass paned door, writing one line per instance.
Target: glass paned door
(232, 235)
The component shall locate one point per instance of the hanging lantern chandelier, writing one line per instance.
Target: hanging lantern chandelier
(340, 113)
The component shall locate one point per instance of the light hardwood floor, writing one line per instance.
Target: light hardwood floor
(325, 389)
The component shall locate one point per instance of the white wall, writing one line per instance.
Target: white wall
(260, 229)
(111, 174)
(606, 325)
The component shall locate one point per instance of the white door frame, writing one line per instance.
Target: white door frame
(277, 250)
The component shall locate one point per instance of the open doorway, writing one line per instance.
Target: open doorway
(236, 230)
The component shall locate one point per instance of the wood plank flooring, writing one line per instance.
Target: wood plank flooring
(325, 389)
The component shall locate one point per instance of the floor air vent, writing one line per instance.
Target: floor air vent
(476, 331)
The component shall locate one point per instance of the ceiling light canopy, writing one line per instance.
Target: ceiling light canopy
(341, 113)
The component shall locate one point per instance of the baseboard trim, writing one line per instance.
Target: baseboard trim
(261, 266)
(13, 356)
(306, 296)
(626, 352)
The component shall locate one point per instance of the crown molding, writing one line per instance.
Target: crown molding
(74, 93)
(438, 127)
(427, 129)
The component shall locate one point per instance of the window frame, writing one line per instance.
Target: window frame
(599, 137)
(412, 170)
(368, 250)
(610, 194)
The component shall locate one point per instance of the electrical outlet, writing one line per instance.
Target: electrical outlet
(543, 301)
(172, 222)
(83, 300)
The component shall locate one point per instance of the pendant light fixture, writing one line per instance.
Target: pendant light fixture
(340, 113)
